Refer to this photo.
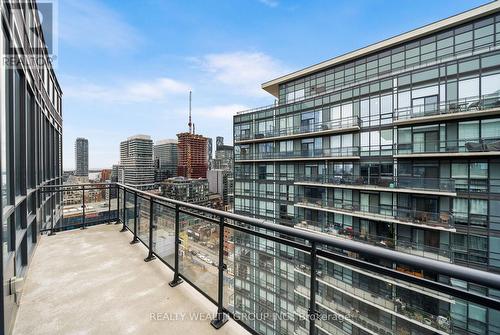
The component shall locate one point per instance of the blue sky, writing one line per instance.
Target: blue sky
(126, 67)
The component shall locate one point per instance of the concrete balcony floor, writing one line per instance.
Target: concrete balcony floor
(94, 282)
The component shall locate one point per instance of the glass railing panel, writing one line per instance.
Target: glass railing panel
(96, 205)
(443, 219)
(113, 193)
(449, 146)
(121, 195)
(438, 184)
(379, 304)
(129, 210)
(264, 273)
(230, 251)
(468, 104)
(164, 232)
(72, 208)
(143, 219)
(199, 252)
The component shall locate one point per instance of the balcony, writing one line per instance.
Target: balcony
(449, 148)
(94, 282)
(402, 184)
(432, 220)
(205, 256)
(348, 153)
(418, 318)
(417, 249)
(316, 129)
(463, 108)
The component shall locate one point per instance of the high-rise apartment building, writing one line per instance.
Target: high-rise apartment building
(136, 161)
(30, 141)
(223, 156)
(193, 159)
(396, 145)
(210, 149)
(81, 157)
(165, 154)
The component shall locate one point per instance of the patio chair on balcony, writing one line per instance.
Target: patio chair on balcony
(444, 218)
(454, 108)
(474, 106)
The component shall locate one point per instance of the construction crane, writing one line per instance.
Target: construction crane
(190, 124)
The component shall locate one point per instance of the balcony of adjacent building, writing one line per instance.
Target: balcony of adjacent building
(344, 153)
(369, 319)
(429, 248)
(100, 270)
(308, 127)
(397, 184)
(376, 299)
(428, 110)
(438, 220)
(430, 147)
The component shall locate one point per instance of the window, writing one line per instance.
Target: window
(468, 88)
(468, 130)
(6, 128)
(490, 128)
(19, 129)
(489, 84)
(460, 209)
(31, 131)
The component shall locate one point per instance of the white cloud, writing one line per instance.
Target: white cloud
(89, 24)
(270, 3)
(158, 89)
(242, 72)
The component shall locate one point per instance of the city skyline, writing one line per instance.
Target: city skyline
(106, 75)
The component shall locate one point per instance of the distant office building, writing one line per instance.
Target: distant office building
(219, 142)
(223, 156)
(165, 153)
(221, 182)
(81, 157)
(193, 159)
(115, 171)
(136, 161)
(194, 191)
(210, 149)
(105, 175)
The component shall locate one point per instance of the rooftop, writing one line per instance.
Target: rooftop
(139, 137)
(272, 86)
(93, 281)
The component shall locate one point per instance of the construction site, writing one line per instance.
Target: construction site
(193, 152)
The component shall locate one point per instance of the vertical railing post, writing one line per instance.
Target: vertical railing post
(312, 313)
(118, 219)
(177, 279)
(135, 239)
(221, 318)
(83, 207)
(151, 227)
(52, 232)
(124, 228)
(109, 204)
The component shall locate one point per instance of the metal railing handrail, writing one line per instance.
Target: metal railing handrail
(473, 103)
(477, 276)
(335, 124)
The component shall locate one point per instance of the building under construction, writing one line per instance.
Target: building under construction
(193, 159)
(193, 152)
